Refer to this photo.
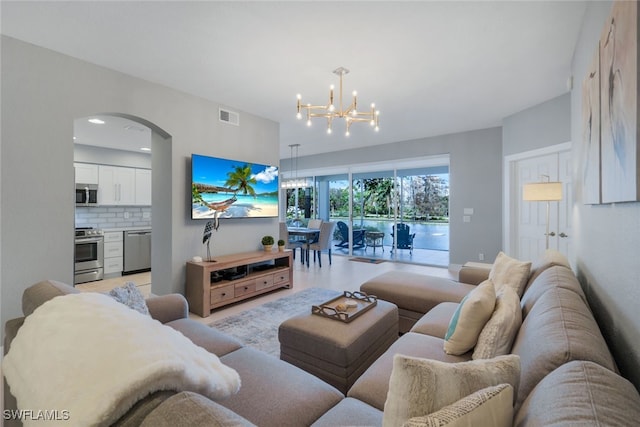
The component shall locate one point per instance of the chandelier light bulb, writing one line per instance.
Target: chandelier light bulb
(328, 131)
(298, 116)
(309, 122)
(355, 93)
(299, 96)
(376, 128)
(372, 122)
(332, 107)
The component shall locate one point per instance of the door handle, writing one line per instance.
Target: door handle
(563, 235)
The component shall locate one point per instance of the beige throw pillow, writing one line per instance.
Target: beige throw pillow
(469, 318)
(422, 386)
(496, 338)
(491, 406)
(507, 271)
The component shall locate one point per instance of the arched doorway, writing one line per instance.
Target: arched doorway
(123, 140)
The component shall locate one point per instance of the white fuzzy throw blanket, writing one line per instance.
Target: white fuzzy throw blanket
(94, 358)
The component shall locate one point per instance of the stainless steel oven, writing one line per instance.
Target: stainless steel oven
(89, 255)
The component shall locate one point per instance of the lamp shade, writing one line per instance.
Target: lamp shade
(542, 191)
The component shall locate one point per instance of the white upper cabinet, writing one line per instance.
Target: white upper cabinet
(143, 187)
(86, 173)
(117, 185)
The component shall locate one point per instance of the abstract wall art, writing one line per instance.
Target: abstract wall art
(620, 175)
(591, 133)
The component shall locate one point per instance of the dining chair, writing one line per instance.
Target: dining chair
(291, 244)
(324, 241)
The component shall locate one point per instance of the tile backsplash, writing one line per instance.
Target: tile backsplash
(113, 216)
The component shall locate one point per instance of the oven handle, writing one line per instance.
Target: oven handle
(90, 240)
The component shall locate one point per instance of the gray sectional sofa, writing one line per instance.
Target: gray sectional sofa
(568, 375)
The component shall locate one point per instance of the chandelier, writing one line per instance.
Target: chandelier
(331, 112)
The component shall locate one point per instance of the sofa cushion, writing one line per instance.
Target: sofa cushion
(350, 412)
(469, 318)
(36, 295)
(419, 387)
(507, 271)
(559, 328)
(130, 295)
(373, 385)
(136, 415)
(553, 277)
(436, 321)
(211, 339)
(580, 393)
(491, 406)
(275, 393)
(187, 409)
(414, 291)
(497, 335)
(549, 258)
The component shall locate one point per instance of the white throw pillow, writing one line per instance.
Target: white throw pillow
(496, 338)
(491, 406)
(507, 271)
(467, 321)
(422, 386)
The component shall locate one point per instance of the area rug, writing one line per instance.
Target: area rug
(367, 260)
(258, 327)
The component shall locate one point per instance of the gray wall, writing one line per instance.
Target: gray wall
(607, 236)
(538, 126)
(42, 93)
(476, 182)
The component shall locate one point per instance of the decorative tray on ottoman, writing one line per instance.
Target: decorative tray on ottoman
(345, 307)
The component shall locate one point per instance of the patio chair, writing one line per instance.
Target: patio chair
(358, 236)
(324, 242)
(405, 238)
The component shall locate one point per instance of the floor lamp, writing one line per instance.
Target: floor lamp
(545, 191)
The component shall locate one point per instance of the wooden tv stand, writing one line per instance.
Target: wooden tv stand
(232, 278)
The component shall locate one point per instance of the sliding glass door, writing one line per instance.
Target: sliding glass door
(398, 213)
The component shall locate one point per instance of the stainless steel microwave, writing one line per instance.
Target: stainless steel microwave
(86, 194)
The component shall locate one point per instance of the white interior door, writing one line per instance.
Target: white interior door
(529, 219)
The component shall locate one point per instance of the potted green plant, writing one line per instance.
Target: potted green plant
(267, 242)
(281, 245)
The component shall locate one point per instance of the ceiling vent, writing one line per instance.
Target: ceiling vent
(229, 117)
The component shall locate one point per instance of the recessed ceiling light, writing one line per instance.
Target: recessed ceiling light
(145, 149)
(96, 121)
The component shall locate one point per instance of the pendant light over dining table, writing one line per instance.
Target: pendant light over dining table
(330, 111)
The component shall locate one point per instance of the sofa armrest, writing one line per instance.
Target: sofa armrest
(167, 308)
(474, 273)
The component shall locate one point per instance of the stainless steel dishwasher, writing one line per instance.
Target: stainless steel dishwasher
(137, 251)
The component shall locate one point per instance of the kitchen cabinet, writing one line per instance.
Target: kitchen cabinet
(86, 173)
(143, 187)
(113, 253)
(117, 185)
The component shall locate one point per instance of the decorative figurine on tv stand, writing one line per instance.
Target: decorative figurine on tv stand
(206, 237)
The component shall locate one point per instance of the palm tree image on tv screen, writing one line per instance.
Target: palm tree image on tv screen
(222, 188)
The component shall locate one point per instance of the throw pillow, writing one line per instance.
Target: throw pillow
(507, 271)
(496, 338)
(491, 406)
(422, 386)
(469, 318)
(130, 295)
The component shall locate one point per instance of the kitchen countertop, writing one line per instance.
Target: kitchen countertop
(118, 229)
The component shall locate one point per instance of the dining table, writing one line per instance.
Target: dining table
(309, 235)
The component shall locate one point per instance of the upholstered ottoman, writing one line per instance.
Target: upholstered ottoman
(338, 352)
(414, 294)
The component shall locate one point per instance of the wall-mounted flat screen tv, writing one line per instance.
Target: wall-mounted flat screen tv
(232, 188)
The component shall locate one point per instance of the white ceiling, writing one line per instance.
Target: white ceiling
(431, 67)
